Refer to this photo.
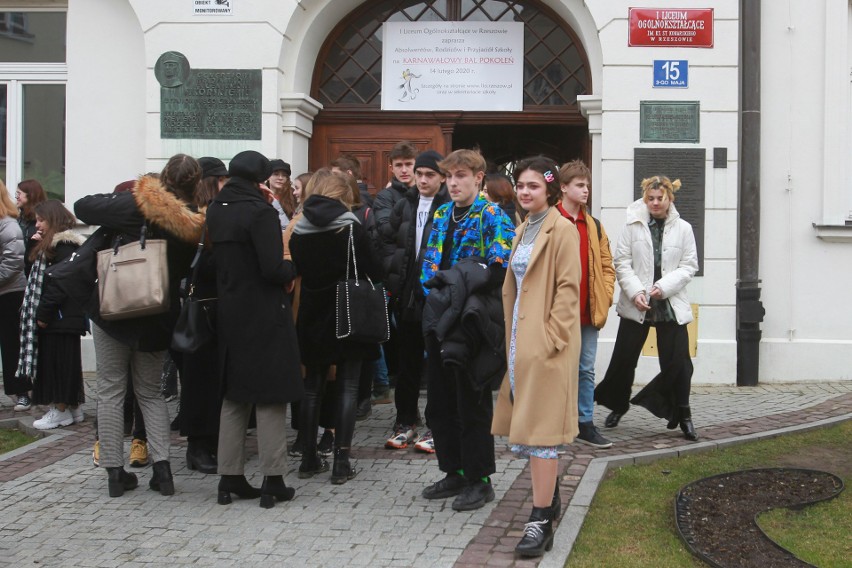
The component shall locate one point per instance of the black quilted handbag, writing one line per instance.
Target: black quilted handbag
(362, 312)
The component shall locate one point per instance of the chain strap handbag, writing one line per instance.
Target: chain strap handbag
(133, 279)
(195, 326)
(362, 313)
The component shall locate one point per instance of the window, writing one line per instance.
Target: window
(555, 69)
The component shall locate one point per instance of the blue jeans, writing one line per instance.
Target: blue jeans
(586, 385)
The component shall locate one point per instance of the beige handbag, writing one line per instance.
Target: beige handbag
(133, 279)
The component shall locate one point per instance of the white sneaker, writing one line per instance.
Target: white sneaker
(77, 414)
(402, 436)
(54, 419)
(426, 443)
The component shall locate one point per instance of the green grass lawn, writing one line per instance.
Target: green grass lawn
(13, 439)
(631, 521)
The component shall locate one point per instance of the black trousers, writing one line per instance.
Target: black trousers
(348, 373)
(410, 350)
(674, 380)
(10, 329)
(459, 417)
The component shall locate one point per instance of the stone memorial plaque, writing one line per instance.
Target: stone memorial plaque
(689, 166)
(669, 121)
(222, 104)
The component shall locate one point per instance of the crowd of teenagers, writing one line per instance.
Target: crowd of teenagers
(493, 284)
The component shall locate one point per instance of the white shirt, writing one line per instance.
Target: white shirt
(423, 207)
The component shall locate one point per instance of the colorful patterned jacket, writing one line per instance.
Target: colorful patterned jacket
(486, 232)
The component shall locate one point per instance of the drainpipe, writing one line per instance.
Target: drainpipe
(749, 308)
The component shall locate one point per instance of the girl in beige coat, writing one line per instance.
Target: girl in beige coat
(537, 404)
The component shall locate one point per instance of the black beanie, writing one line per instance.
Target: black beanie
(250, 165)
(428, 159)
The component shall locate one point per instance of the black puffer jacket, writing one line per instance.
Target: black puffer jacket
(61, 313)
(402, 269)
(383, 205)
(466, 315)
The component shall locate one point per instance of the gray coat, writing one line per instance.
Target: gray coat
(12, 259)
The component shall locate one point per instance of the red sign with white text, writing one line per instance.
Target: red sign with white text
(671, 27)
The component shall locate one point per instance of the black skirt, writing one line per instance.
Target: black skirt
(59, 377)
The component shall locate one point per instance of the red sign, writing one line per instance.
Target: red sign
(671, 27)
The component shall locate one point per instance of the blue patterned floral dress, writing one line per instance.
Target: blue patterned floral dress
(519, 264)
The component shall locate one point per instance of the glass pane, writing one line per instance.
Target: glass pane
(44, 137)
(3, 129)
(32, 37)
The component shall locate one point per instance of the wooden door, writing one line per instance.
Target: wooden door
(371, 144)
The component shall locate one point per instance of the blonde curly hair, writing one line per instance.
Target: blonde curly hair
(668, 186)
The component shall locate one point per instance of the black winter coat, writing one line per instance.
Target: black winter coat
(60, 312)
(28, 228)
(384, 203)
(321, 260)
(167, 217)
(258, 351)
(400, 260)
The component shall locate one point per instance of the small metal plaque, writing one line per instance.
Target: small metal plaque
(689, 165)
(669, 121)
(221, 104)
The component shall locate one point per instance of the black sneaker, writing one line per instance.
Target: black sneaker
(589, 435)
(325, 447)
(450, 486)
(295, 450)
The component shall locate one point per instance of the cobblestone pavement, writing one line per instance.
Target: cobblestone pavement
(56, 511)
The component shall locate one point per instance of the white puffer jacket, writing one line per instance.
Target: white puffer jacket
(634, 262)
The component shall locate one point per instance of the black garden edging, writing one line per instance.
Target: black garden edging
(716, 516)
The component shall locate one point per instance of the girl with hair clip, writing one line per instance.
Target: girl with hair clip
(655, 259)
(12, 284)
(137, 346)
(52, 323)
(537, 404)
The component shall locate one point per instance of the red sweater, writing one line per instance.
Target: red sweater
(583, 229)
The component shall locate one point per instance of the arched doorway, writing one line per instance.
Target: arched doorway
(347, 81)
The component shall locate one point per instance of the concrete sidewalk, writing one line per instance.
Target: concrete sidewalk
(56, 511)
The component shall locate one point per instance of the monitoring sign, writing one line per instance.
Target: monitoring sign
(671, 73)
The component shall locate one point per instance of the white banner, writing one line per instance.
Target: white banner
(212, 7)
(430, 66)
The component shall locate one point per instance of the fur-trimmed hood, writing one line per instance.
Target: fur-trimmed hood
(161, 207)
(67, 236)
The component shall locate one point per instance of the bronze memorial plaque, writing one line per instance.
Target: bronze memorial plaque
(221, 104)
(669, 121)
(689, 166)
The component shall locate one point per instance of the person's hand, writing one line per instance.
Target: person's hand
(36, 237)
(656, 293)
(41, 324)
(641, 302)
(290, 287)
(267, 193)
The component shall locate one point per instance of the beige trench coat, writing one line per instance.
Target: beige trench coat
(547, 355)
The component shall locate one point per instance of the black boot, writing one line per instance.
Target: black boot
(120, 481)
(686, 424)
(162, 480)
(342, 471)
(273, 489)
(200, 458)
(613, 419)
(675, 419)
(538, 533)
(238, 485)
(556, 503)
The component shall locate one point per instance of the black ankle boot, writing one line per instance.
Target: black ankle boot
(312, 466)
(556, 503)
(538, 533)
(675, 419)
(686, 424)
(342, 471)
(200, 458)
(274, 489)
(120, 481)
(238, 485)
(162, 480)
